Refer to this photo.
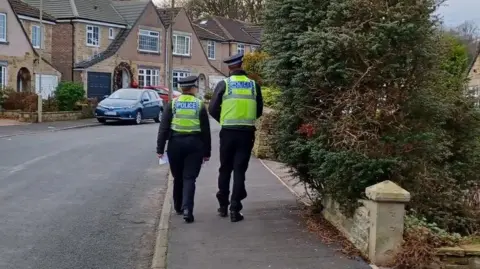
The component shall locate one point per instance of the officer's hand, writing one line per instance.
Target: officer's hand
(206, 159)
(159, 155)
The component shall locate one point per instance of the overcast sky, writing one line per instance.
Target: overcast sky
(455, 12)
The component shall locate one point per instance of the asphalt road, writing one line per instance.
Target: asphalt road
(80, 199)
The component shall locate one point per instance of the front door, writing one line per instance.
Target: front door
(125, 79)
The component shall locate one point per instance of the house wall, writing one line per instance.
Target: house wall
(83, 52)
(197, 63)
(47, 49)
(17, 52)
(474, 74)
(62, 49)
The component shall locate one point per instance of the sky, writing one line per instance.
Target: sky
(455, 12)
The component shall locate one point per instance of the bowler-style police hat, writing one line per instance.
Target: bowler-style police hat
(188, 82)
(236, 59)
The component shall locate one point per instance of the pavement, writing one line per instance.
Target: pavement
(10, 129)
(273, 235)
(85, 198)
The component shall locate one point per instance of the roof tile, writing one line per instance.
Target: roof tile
(25, 9)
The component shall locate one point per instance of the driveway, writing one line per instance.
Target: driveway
(80, 199)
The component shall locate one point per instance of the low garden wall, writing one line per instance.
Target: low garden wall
(462, 257)
(264, 135)
(46, 116)
(377, 226)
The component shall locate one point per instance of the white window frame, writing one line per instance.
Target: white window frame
(211, 46)
(3, 35)
(145, 72)
(40, 40)
(111, 33)
(177, 74)
(149, 34)
(3, 76)
(90, 29)
(188, 44)
(240, 48)
(254, 48)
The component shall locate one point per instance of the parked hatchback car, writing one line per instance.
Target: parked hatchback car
(130, 105)
(163, 92)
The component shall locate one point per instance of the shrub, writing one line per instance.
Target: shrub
(24, 101)
(253, 64)
(370, 91)
(270, 96)
(68, 94)
(208, 94)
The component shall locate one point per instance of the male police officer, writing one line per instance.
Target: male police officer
(236, 103)
(185, 124)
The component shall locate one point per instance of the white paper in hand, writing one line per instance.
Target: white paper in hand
(163, 160)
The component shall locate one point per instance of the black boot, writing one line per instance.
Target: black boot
(223, 211)
(188, 216)
(236, 216)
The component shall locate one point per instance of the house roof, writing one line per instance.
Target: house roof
(94, 10)
(254, 31)
(166, 14)
(25, 9)
(203, 33)
(130, 10)
(231, 30)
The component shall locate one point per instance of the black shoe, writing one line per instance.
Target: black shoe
(188, 216)
(236, 216)
(178, 212)
(223, 211)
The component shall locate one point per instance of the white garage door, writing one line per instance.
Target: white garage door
(49, 84)
(213, 80)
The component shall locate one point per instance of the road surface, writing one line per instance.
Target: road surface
(80, 199)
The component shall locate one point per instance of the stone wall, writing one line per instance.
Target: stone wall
(47, 45)
(376, 228)
(46, 116)
(462, 257)
(264, 135)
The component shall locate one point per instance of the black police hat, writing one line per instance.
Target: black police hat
(234, 60)
(188, 82)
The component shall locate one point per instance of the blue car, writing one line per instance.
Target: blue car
(133, 105)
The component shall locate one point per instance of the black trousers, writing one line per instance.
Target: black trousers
(185, 155)
(235, 150)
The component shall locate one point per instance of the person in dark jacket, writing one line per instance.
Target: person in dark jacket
(236, 104)
(185, 124)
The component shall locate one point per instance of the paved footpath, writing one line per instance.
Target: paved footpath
(272, 235)
(29, 128)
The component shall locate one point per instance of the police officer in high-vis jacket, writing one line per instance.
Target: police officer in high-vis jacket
(236, 104)
(186, 127)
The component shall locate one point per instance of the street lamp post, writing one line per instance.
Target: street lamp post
(40, 100)
(170, 55)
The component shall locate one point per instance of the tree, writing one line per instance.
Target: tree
(469, 34)
(245, 10)
(369, 92)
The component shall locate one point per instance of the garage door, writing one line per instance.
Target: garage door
(49, 85)
(99, 85)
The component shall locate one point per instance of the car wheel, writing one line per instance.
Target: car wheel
(159, 117)
(138, 117)
(101, 120)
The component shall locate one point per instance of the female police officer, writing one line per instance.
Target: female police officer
(185, 124)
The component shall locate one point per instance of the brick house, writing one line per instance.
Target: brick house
(83, 30)
(223, 37)
(20, 38)
(474, 78)
(189, 57)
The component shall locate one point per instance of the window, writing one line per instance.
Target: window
(178, 75)
(211, 50)
(3, 76)
(93, 36)
(3, 27)
(37, 37)
(254, 48)
(153, 95)
(241, 48)
(181, 45)
(148, 41)
(148, 77)
(145, 96)
(111, 33)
